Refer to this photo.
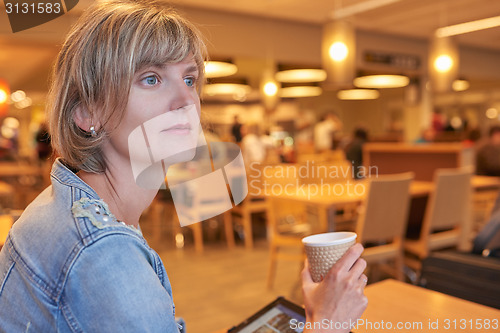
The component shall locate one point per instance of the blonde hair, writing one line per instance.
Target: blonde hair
(111, 41)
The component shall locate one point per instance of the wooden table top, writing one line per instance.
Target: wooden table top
(485, 182)
(355, 191)
(392, 302)
(331, 194)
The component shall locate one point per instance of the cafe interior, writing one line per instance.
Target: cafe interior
(368, 116)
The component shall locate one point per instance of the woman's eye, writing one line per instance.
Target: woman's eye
(151, 80)
(189, 81)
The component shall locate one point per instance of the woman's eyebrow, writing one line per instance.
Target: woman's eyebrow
(149, 67)
(192, 69)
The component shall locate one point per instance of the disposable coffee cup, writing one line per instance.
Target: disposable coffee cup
(324, 250)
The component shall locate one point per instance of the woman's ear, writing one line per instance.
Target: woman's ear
(82, 119)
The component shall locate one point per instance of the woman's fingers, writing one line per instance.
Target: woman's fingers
(358, 268)
(306, 275)
(364, 279)
(348, 260)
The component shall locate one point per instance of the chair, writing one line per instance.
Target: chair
(194, 201)
(447, 218)
(287, 225)
(255, 202)
(383, 221)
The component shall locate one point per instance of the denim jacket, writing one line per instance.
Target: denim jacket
(69, 266)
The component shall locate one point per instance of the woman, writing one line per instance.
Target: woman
(76, 260)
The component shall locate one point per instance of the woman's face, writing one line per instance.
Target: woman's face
(161, 120)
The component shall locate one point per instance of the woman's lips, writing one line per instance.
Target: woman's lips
(179, 129)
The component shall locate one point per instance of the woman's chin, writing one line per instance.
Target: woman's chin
(180, 157)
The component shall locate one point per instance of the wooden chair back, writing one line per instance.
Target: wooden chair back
(383, 221)
(447, 218)
(449, 206)
(385, 213)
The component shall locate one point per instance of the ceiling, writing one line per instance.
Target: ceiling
(413, 18)
(26, 57)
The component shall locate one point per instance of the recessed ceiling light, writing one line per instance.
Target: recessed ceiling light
(238, 91)
(300, 91)
(381, 81)
(357, 94)
(462, 28)
(219, 69)
(359, 7)
(301, 75)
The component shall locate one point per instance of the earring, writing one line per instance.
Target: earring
(93, 133)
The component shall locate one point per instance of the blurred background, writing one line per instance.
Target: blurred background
(263, 37)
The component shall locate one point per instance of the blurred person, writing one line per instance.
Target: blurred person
(304, 127)
(267, 139)
(324, 132)
(354, 151)
(76, 260)
(488, 154)
(438, 121)
(236, 130)
(252, 145)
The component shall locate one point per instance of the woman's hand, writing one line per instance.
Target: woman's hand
(338, 301)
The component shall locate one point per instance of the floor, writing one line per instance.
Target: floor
(219, 288)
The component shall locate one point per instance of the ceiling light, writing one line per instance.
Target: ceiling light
(11, 122)
(466, 27)
(357, 94)
(360, 8)
(3, 96)
(18, 96)
(270, 89)
(219, 69)
(381, 81)
(460, 85)
(443, 63)
(492, 113)
(26, 102)
(234, 89)
(300, 91)
(301, 75)
(338, 51)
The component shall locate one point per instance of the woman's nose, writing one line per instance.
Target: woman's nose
(183, 96)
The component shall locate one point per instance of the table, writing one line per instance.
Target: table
(326, 196)
(392, 302)
(482, 183)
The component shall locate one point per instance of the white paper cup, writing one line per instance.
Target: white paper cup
(324, 250)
